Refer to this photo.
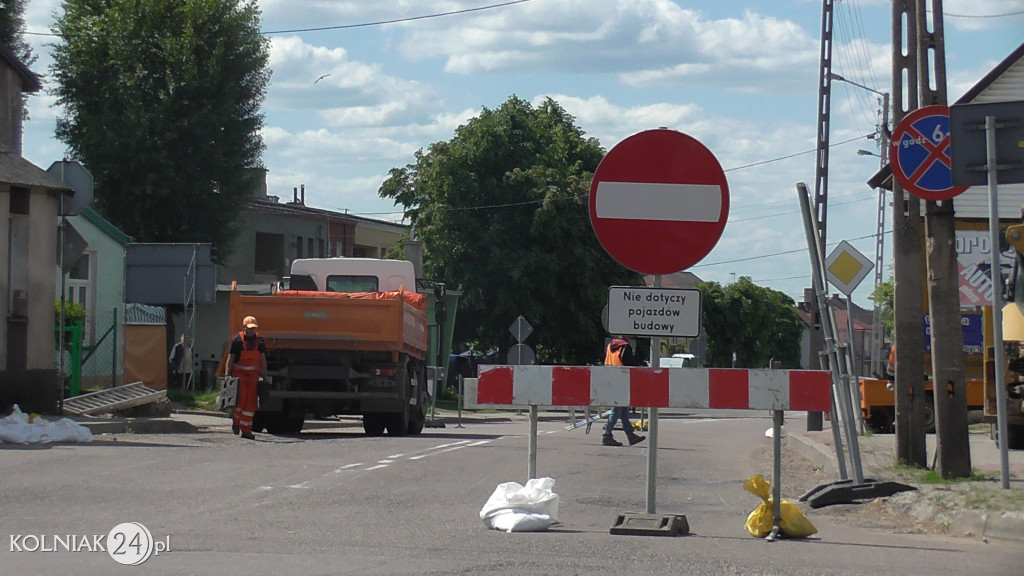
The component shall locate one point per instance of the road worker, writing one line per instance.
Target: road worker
(247, 361)
(620, 353)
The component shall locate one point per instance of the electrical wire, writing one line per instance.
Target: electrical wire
(364, 24)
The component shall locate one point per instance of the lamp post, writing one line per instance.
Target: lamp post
(883, 156)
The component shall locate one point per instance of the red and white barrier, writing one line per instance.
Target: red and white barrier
(713, 388)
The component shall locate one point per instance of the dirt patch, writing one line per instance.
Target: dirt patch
(908, 513)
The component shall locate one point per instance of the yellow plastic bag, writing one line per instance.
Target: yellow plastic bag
(793, 523)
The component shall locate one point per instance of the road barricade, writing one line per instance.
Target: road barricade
(516, 387)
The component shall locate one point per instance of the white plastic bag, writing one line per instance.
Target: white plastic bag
(16, 428)
(513, 507)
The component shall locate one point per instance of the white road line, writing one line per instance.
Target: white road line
(378, 467)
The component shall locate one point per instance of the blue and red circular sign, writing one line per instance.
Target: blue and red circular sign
(919, 154)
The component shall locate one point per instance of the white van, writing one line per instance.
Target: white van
(352, 275)
(681, 360)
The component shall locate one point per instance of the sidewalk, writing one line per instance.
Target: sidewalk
(980, 508)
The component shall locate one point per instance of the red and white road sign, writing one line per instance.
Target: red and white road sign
(919, 154)
(659, 202)
(712, 388)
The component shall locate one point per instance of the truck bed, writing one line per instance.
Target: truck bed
(382, 321)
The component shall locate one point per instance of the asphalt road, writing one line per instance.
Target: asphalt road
(331, 501)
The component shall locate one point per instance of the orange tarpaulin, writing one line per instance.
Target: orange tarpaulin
(145, 355)
(412, 298)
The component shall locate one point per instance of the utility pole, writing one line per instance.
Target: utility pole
(908, 311)
(820, 205)
(953, 448)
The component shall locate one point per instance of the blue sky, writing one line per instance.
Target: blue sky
(740, 76)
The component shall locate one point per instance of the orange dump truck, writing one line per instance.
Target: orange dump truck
(348, 337)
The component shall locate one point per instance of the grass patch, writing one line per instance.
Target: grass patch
(928, 476)
(189, 400)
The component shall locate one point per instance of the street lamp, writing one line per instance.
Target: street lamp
(883, 156)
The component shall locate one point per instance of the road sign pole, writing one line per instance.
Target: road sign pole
(997, 299)
(652, 428)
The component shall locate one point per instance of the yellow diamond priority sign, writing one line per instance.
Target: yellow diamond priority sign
(845, 267)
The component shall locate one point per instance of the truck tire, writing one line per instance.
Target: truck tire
(373, 424)
(398, 424)
(284, 423)
(417, 418)
(418, 412)
(1015, 437)
(929, 413)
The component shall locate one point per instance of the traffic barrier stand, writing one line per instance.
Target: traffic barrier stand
(513, 387)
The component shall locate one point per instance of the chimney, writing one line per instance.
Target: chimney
(303, 199)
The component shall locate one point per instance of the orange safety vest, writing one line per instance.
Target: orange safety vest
(248, 359)
(613, 358)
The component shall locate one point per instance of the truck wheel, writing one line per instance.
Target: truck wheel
(283, 423)
(260, 421)
(373, 424)
(416, 420)
(929, 414)
(1015, 437)
(398, 424)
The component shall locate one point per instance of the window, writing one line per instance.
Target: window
(298, 246)
(269, 255)
(351, 283)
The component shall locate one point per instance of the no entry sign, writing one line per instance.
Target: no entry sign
(919, 154)
(659, 202)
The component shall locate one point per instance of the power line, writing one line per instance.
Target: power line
(976, 16)
(749, 258)
(367, 24)
(578, 198)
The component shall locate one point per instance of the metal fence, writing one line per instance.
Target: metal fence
(103, 350)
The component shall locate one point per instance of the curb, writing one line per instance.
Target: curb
(140, 426)
(1007, 526)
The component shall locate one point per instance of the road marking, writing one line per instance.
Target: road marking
(378, 467)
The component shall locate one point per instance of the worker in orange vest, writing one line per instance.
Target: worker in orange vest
(247, 360)
(620, 353)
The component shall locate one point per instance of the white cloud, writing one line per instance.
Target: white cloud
(646, 41)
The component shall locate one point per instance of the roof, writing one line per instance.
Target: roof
(109, 229)
(1004, 83)
(16, 171)
(29, 81)
(294, 209)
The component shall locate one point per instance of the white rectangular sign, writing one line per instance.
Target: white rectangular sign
(653, 312)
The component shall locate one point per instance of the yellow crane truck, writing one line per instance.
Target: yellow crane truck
(1013, 346)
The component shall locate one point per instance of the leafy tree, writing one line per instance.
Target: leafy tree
(12, 30)
(758, 324)
(502, 211)
(12, 35)
(883, 296)
(161, 102)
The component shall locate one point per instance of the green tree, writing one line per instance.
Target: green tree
(883, 296)
(12, 30)
(12, 35)
(758, 324)
(161, 102)
(502, 211)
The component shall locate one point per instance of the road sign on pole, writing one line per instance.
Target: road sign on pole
(846, 267)
(919, 154)
(654, 312)
(659, 201)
